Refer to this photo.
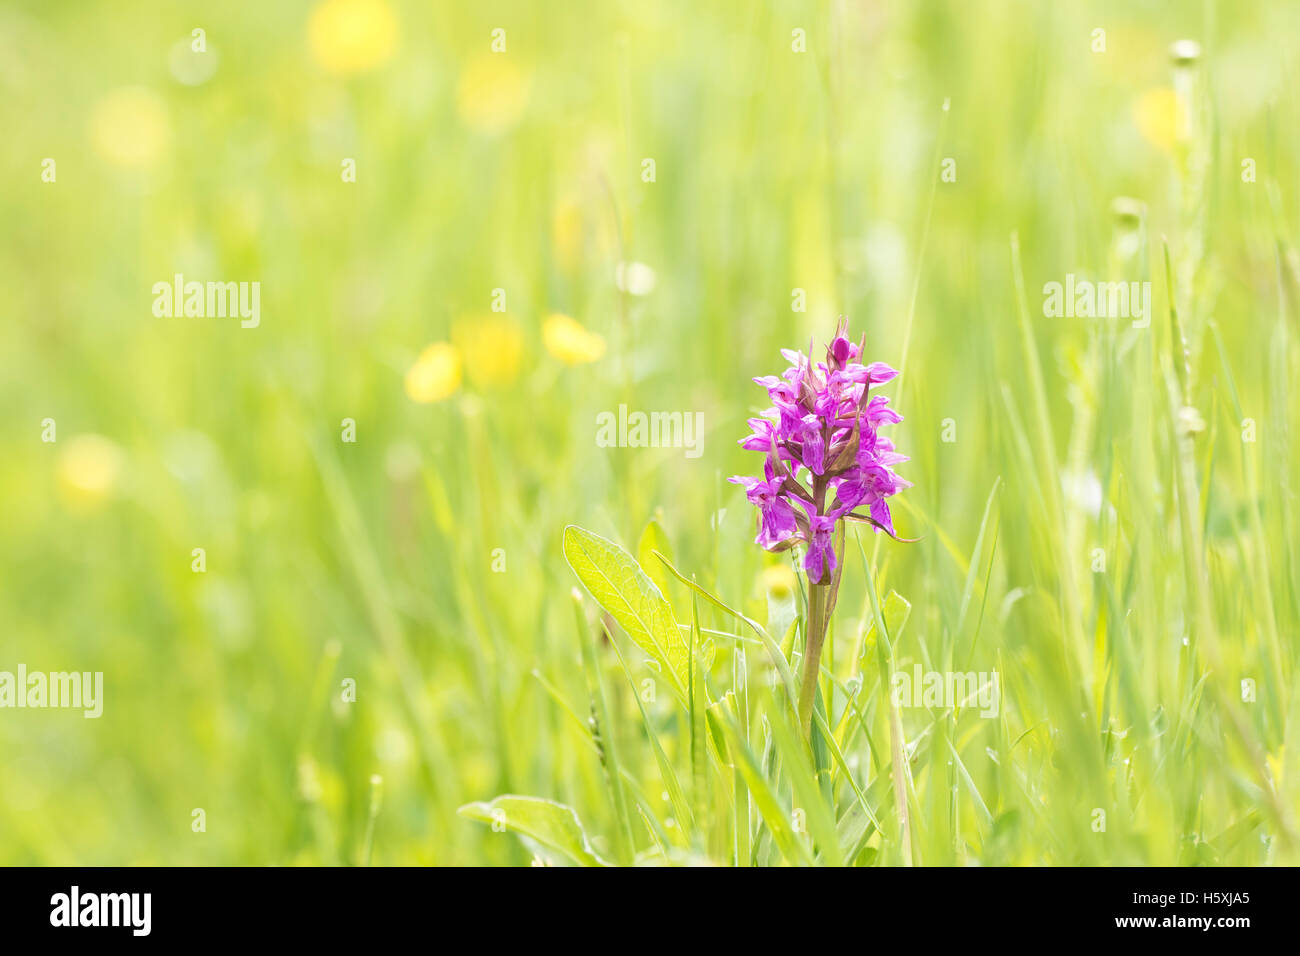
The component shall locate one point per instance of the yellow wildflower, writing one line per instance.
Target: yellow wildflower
(87, 470)
(777, 580)
(570, 342)
(1156, 116)
(435, 374)
(493, 348)
(352, 36)
(129, 127)
(492, 93)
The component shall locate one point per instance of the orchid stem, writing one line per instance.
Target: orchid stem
(814, 631)
(812, 656)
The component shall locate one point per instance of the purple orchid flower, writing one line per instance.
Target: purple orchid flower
(820, 561)
(776, 516)
(823, 419)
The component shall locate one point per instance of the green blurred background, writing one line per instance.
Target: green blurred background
(422, 560)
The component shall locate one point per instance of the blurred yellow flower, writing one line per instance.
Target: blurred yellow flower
(435, 374)
(567, 234)
(1156, 116)
(492, 93)
(351, 36)
(129, 127)
(777, 580)
(87, 470)
(492, 346)
(570, 342)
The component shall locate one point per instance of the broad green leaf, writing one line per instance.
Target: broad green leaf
(553, 825)
(619, 585)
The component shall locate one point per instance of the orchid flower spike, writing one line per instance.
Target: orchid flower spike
(825, 460)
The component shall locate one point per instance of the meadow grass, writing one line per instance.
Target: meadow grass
(474, 635)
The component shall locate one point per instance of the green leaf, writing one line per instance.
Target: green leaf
(685, 819)
(896, 610)
(780, 658)
(653, 539)
(799, 771)
(601, 723)
(697, 700)
(553, 825)
(973, 790)
(792, 848)
(619, 585)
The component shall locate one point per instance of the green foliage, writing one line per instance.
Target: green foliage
(553, 825)
(1106, 511)
(632, 599)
